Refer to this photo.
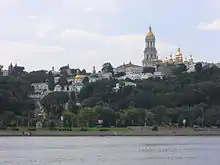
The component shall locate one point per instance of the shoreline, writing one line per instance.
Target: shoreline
(112, 133)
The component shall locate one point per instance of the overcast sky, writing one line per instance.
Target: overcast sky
(40, 34)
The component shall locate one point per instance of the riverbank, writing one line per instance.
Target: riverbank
(165, 132)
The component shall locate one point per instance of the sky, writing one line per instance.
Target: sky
(41, 34)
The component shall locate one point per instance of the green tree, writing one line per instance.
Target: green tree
(17, 71)
(107, 114)
(180, 69)
(54, 103)
(70, 119)
(198, 67)
(14, 100)
(51, 83)
(107, 68)
(83, 72)
(160, 113)
(36, 76)
(88, 117)
(85, 80)
(132, 117)
(1, 67)
(63, 81)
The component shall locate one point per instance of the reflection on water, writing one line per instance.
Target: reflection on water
(109, 150)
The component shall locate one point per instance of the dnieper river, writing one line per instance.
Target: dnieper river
(109, 150)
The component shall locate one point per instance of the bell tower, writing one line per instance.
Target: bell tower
(150, 51)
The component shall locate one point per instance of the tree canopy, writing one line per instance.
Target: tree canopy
(192, 96)
(173, 98)
(14, 99)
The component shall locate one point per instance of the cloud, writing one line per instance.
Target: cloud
(95, 48)
(73, 36)
(5, 4)
(42, 28)
(80, 49)
(89, 9)
(94, 5)
(32, 17)
(215, 25)
(216, 3)
(27, 53)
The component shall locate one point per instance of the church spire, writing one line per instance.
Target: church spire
(93, 70)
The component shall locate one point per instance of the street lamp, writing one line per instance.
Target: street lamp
(61, 118)
(184, 122)
(202, 116)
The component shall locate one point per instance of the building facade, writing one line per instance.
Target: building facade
(39, 89)
(128, 69)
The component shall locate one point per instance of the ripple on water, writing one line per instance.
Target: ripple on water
(110, 150)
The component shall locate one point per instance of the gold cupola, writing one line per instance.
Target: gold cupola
(170, 60)
(150, 33)
(178, 53)
(190, 58)
(179, 56)
(77, 77)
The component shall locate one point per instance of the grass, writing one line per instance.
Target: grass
(98, 129)
(25, 129)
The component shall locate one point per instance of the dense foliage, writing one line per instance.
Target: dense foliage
(14, 101)
(191, 96)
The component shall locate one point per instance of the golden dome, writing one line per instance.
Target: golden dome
(178, 53)
(150, 33)
(157, 60)
(190, 58)
(186, 60)
(77, 77)
(170, 58)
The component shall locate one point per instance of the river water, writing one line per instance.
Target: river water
(109, 151)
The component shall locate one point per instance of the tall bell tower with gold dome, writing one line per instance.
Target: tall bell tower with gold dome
(179, 56)
(150, 51)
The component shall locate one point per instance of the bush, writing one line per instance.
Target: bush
(52, 124)
(53, 129)
(155, 128)
(104, 129)
(31, 129)
(67, 129)
(83, 129)
(15, 129)
(3, 127)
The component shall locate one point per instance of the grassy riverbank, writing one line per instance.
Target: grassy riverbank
(116, 132)
(74, 129)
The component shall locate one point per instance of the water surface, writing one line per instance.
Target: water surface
(109, 150)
